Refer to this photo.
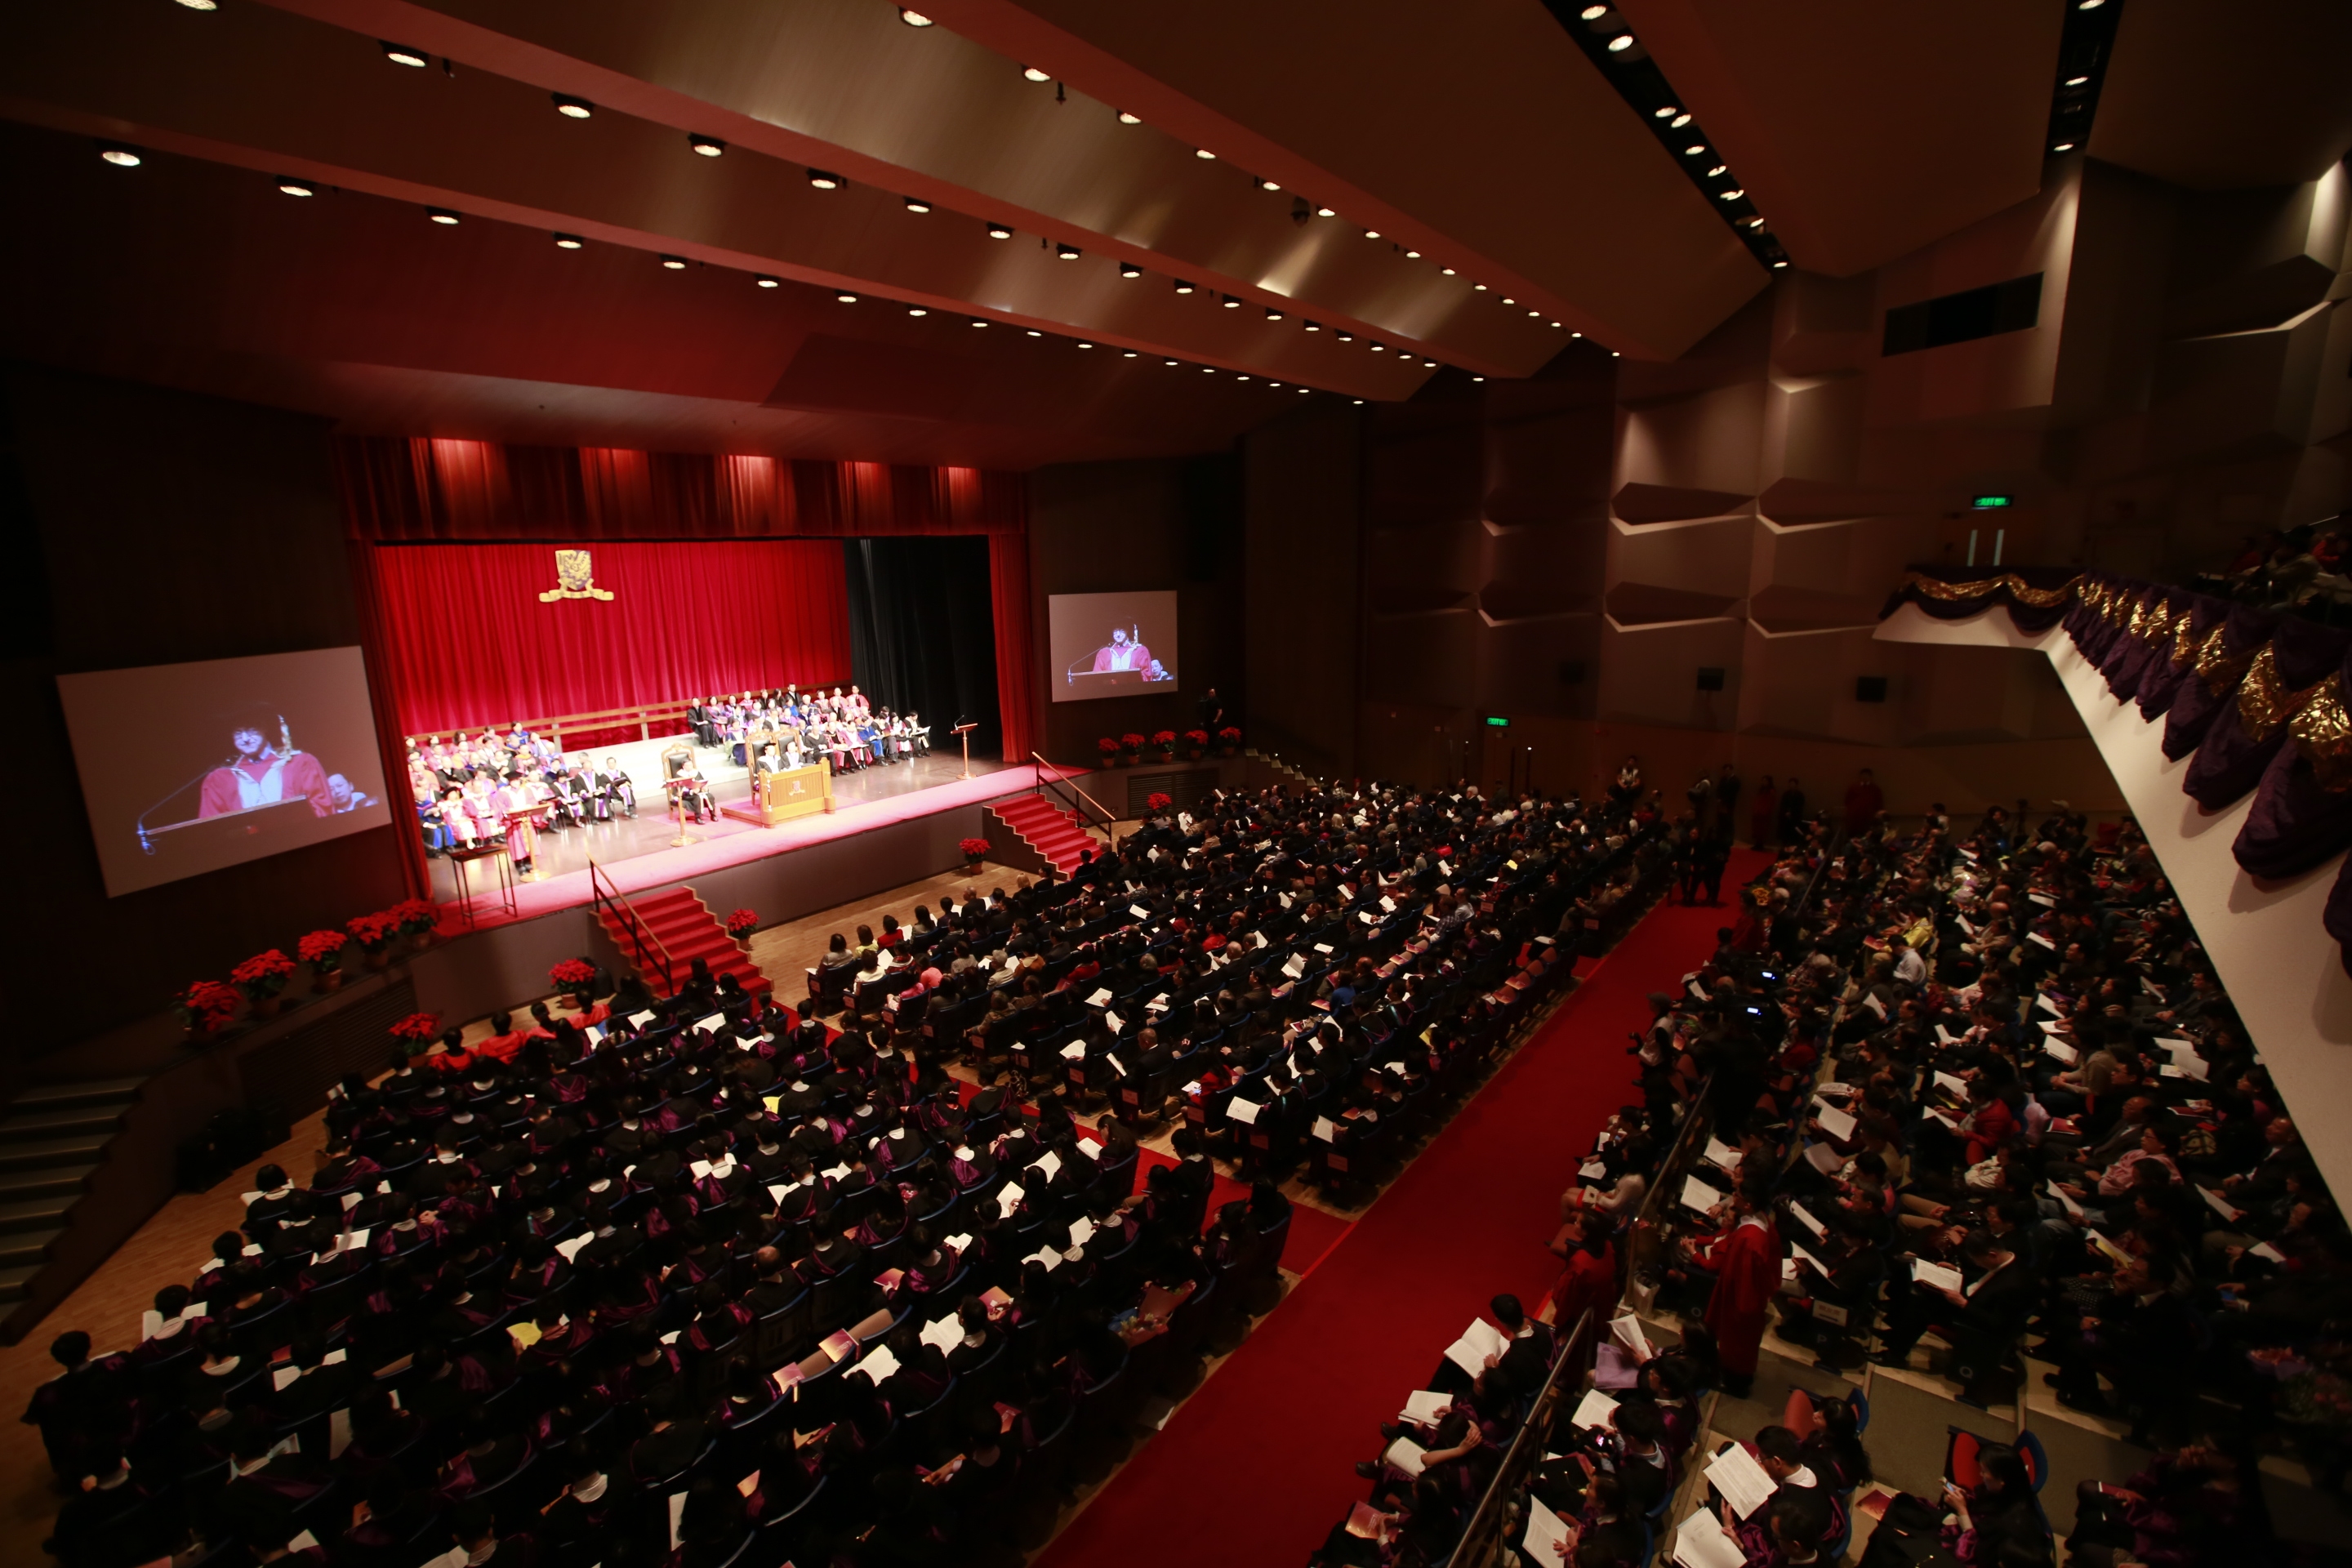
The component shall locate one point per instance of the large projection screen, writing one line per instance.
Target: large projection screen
(186, 768)
(1111, 644)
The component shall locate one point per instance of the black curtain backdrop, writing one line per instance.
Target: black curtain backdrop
(922, 632)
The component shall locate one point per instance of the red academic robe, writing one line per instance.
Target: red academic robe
(1588, 1281)
(1864, 802)
(1137, 658)
(253, 783)
(1748, 1276)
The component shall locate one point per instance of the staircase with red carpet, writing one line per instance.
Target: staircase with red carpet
(1052, 830)
(689, 931)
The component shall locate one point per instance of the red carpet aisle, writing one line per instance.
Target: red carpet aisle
(1258, 1465)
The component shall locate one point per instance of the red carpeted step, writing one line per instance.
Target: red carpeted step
(1049, 828)
(687, 931)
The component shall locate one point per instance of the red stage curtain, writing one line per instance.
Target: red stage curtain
(422, 488)
(465, 642)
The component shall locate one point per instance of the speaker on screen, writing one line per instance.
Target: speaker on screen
(187, 768)
(1111, 644)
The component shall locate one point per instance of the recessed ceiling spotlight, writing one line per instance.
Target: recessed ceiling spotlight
(201, 5)
(1033, 74)
(571, 108)
(1238, 376)
(2078, 81)
(121, 156)
(824, 181)
(1576, 334)
(1272, 314)
(765, 282)
(1718, 169)
(1345, 337)
(1447, 271)
(1780, 264)
(847, 299)
(1509, 301)
(296, 187)
(1429, 362)
(1756, 223)
(569, 242)
(1127, 354)
(1678, 121)
(1477, 378)
(977, 321)
(1325, 212)
(1035, 333)
(2063, 147)
(917, 310)
(1594, 13)
(1732, 195)
(402, 54)
(675, 263)
(1614, 354)
(1694, 149)
(1302, 392)
(1127, 119)
(1066, 252)
(913, 18)
(709, 146)
(2088, 4)
(1377, 348)
(1621, 43)
(1208, 370)
(1478, 288)
(1204, 152)
(442, 215)
(1000, 231)
(1229, 303)
(1183, 287)
(918, 205)
(1537, 314)
(1265, 184)
(1086, 345)
(1170, 362)
(1312, 326)
(1413, 255)
(1130, 269)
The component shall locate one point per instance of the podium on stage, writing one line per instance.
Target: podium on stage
(786, 792)
(1103, 682)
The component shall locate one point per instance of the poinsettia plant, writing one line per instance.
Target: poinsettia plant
(571, 973)
(742, 922)
(263, 974)
(415, 916)
(418, 1028)
(1197, 739)
(371, 931)
(1156, 802)
(974, 849)
(1107, 746)
(323, 949)
(206, 1006)
(1130, 742)
(1230, 736)
(1163, 738)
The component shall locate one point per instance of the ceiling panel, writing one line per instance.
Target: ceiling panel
(2223, 97)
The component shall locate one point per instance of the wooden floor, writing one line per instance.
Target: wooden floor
(170, 1247)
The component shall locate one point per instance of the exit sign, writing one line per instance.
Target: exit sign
(1496, 721)
(1987, 503)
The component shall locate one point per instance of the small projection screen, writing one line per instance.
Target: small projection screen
(1111, 644)
(186, 768)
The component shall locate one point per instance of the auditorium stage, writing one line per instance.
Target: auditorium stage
(637, 854)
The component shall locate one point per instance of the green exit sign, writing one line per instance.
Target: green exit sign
(1987, 503)
(1496, 721)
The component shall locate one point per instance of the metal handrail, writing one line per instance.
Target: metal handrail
(604, 891)
(1534, 1433)
(1072, 785)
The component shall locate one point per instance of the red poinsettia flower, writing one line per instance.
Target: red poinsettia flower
(418, 1027)
(973, 848)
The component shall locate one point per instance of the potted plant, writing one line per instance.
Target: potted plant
(1156, 803)
(740, 924)
(261, 978)
(1229, 741)
(373, 933)
(976, 850)
(1166, 741)
(204, 1008)
(574, 977)
(1130, 748)
(1196, 744)
(416, 919)
(1109, 750)
(323, 952)
(417, 1032)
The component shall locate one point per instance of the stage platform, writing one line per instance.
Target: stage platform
(637, 854)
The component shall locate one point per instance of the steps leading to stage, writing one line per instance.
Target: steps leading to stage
(52, 1139)
(688, 931)
(1054, 831)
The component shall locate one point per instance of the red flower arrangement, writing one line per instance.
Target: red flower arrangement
(204, 1006)
(263, 974)
(740, 924)
(1156, 803)
(1107, 746)
(973, 848)
(1163, 737)
(571, 973)
(1198, 739)
(1230, 736)
(371, 931)
(1130, 742)
(323, 949)
(415, 916)
(418, 1028)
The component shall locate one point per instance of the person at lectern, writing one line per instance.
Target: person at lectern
(261, 773)
(1121, 652)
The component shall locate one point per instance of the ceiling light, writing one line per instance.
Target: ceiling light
(1718, 169)
(1229, 303)
(1272, 314)
(1621, 43)
(1000, 231)
(824, 180)
(1756, 223)
(1130, 269)
(1183, 287)
(1238, 376)
(1302, 392)
(917, 310)
(1537, 314)
(1127, 119)
(1732, 195)
(1035, 333)
(1477, 378)
(1167, 362)
(918, 205)
(1448, 271)
(1345, 337)
(442, 215)
(294, 188)
(2077, 80)
(1429, 362)
(1478, 288)
(1128, 353)
(1414, 255)
(1678, 121)
(2088, 4)
(1033, 74)
(1204, 152)
(1780, 264)
(1086, 345)
(1694, 149)
(1576, 334)
(1614, 354)
(1509, 301)
(709, 146)
(1377, 348)
(1594, 13)
(571, 108)
(1208, 370)
(847, 299)
(121, 157)
(201, 5)
(1325, 212)
(675, 263)
(913, 18)
(402, 54)
(1312, 326)
(764, 281)
(569, 242)
(1265, 184)
(1066, 252)
(2063, 147)
(978, 323)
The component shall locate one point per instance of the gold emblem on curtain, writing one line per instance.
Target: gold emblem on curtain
(574, 578)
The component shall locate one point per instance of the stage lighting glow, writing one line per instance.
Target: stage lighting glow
(1537, 314)
(1621, 43)
(764, 281)
(918, 205)
(1756, 223)
(824, 181)
(1509, 301)
(674, 263)
(296, 187)
(569, 242)
(1000, 231)
(1130, 269)
(709, 146)
(1240, 377)
(121, 157)
(1302, 392)
(913, 18)
(1033, 74)
(402, 54)
(1127, 119)
(571, 108)
(1066, 252)
(442, 215)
